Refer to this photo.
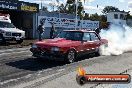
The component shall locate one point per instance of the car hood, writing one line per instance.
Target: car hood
(11, 30)
(59, 42)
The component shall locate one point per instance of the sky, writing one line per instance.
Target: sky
(90, 6)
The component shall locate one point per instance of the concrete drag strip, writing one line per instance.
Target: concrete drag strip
(66, 76)
(12, 53)
(115, 66)
(13, 50)
(31, 83)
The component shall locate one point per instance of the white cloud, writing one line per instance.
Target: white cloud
(89, 8)
(121, 0)
(130, 6)
(43, 1)
(49, 2)
(87, 1)
(93, 8)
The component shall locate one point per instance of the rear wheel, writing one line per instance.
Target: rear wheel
(71, 56)
(101, 50)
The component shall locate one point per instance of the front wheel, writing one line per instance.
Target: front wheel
(2, 40)
(19, 41)
(71, 56)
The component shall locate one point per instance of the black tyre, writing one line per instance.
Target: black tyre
(19, 41)
(101, 50)
(71, 56)
(97, 53)
(2, 40)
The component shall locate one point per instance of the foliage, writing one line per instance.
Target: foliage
(86, 17)
(61, 8)
(45, 9)
(71, 8)
(108, 9)
(95, 17)
(129, 16)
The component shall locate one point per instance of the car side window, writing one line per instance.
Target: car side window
(94, 37)
(86, 36)
(78, 36)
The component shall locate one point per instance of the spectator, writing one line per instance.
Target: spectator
(41, 29)
(52, 31)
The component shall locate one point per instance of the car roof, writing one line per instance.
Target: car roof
(79, 30)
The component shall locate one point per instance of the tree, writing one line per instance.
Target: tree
(70, 1)
(108, 9)
(71, 7)
(95, 17)
(86, 16)
(80, 9)
(103, 18)
(61, 8)
(129, 16)
(45, 9)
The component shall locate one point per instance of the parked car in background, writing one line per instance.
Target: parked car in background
(8, 32)
(69, 45)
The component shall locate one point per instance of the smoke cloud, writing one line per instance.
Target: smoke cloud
(119, 39)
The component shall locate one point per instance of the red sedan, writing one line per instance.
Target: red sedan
(69, 45)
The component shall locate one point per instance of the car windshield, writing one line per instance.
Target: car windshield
(6, 25)
(71, 35)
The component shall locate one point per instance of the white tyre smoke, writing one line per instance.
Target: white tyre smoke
(103, 50)
(119, 40)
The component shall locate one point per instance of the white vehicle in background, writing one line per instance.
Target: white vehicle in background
(8, 32)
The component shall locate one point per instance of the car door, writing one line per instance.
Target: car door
(78, 38)
(95, 41)
(87, 43)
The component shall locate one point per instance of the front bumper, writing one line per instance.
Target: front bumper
(48, 55)
(12, 38)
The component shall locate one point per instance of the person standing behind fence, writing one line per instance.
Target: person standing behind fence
(52, 31)
(41, 29)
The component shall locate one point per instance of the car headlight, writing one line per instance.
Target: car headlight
(8, 33)
(34, 46)
(55, 49)
(2, 31)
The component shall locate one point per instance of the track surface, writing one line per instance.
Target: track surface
(18, 69)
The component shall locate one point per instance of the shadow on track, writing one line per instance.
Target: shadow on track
(32, 64)
(35, 64)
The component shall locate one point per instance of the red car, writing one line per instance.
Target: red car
(68, 45)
